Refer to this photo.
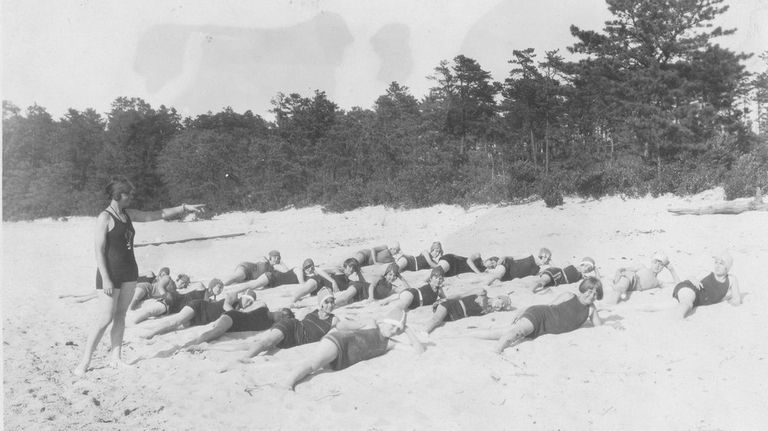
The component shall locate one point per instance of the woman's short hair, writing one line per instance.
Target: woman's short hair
(117, 186)
(592, 283)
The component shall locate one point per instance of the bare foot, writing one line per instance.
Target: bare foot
(80, 370)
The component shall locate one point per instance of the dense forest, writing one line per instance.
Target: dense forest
(650, 104)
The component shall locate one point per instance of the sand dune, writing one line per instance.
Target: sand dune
(637, 372)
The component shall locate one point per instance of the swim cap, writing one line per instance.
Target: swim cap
(274, 253)
(164, 270)
(323, 294)
(725, 257)
(214, 283)
(183, 278)
(661, 258)
(587, 261)
(308, 263)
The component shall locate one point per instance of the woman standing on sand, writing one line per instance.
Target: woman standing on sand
(117, 271)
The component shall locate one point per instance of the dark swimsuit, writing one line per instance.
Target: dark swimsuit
(712, 291)
(309, 330)
(422, 296)
(458, 264)
(205, 312)
(556, 319)
(259, 319)
(559, 276)
(356, 346)
(278, 278)
(519, 268)
(462, 307)
(253, 270)
(382, 290)
(121, 263)
(416, 263)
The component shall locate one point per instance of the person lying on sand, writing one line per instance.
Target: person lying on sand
(554, 276)
(709, 289)
(466, 306)
(426, 260)
(198, 312)
(309, 278)
(639, 278)
(380, 287)
(170, 299)
(154, 288)
(293, 332)
(453, 264)
(256, 317)
(78, 298)
(247, 271)
(566, 313)
(377, 255)
(342, 277)
(344, 348)
(428, 294)
(509, 268)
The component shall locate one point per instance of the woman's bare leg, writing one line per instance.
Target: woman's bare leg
(685, 297)
(613, 296)
(259, 283)
(148, 308)
(105, 312)
(237, 276)
(519, 330)
(303, 290)
(346, 297)
(324, 354)
(168, 323)
(215, 330)
(437, 319)
(118, 322)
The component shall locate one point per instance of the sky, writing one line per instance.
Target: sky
(200, 56)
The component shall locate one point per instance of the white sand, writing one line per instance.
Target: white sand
(638, 372)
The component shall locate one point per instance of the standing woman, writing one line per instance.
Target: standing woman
(117, 272)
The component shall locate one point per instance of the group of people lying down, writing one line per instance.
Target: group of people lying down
(231, 304)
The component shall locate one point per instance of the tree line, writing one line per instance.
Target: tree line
(650, 104)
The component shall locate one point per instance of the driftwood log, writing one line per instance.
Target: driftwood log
(736, 206)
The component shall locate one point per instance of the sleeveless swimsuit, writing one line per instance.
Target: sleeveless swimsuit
(422, 296)
(382, 290)
(121, 263)
(556, 319)
(309, 330)
(356, 346)
(519, 268)
(559, 276)
(712, 291)
(461, 308)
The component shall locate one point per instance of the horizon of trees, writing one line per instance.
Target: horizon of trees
(653, 105)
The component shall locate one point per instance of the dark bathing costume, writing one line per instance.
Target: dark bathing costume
(253, 270)
(382, 290)
(356, 346)
(416, 263)
(205, 312)
(178, 301)
(519, 268)
(556, 319)
(341, 280)
(458, 264)
(461, 308)
(121, 263)
(712, 291)
(259, 319)
(422, 296)
(309, 330)
(278, 278)
(559, 276)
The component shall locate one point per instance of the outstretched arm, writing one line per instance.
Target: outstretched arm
(471, 262)
(496, 274)
(596, 320)
(734, 292)
(164, 214)
(414, 341)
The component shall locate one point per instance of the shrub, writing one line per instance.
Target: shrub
(749, 171)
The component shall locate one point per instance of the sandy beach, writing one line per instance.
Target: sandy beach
(636, 372)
